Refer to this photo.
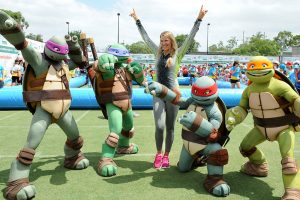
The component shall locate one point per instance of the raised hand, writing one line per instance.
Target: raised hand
(72, 41)
(12, 31)
(202, 13)
(7, 22)
(134, 15)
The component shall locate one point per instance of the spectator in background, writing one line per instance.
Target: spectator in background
(185, 71)
(289, 69)
(282, 68)
(16, 73)
(235, 72)
(297, 77)
(276, 65)
(192, 72)
(212, 71)
(1, 76)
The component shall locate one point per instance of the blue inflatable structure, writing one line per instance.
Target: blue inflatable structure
(75, 82)
(84, 98)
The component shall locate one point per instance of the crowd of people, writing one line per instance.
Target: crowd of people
(231, 72)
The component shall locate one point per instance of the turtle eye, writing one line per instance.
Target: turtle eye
(56, 49)
(264, 65)
(251, 66)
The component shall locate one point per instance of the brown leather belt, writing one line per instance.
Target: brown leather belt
(36, 96)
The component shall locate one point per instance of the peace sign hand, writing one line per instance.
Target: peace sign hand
(134, 15)
(202, 13)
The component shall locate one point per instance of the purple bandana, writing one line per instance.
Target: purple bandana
(57, 48)
(118, 52)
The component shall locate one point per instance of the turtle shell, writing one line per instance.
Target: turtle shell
(28, 77)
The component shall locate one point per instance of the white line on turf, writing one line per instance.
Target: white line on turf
(11, 115)
(82, 116)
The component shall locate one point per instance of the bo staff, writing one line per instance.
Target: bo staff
(90, 71)
(92, 45)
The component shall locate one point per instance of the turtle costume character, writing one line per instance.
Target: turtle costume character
(275, 107)
(202, 130)
(47, 95)
(113, 90)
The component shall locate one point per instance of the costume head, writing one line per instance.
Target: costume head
(56, 48)
(120, 52)
(260, 69)
(205, 90)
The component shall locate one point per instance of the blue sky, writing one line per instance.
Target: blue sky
(98, 18)
(100, 4)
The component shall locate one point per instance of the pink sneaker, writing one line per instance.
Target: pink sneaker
(165, 162)
(158, 161)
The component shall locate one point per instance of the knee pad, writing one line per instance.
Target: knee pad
(26, 156)
(112, 140)
(75, 144)
(247, 153)
(128, 134)
(218, 158)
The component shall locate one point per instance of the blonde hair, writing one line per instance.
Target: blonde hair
(174, 46)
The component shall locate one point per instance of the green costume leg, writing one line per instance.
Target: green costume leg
(286, 140)
(19, 170)
(127, 126)
(253, 138)
(39, 124)
(106, 166)
(185, 160)
(124, 146)
(74, 158)
(257, 165)
(216, 159)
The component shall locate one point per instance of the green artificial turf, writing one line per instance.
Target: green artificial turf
(136, 179)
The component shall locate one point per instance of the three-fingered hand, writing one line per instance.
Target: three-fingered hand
(154, 88)
(187, 119)
(7, 22)
(106, 62)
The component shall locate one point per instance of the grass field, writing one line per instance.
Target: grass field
(136, 179)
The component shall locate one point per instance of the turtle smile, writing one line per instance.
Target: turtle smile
(259, 74)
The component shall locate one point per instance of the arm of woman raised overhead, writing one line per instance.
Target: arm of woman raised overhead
(189, 40)
(146, 38)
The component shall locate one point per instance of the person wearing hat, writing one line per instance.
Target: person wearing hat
(289, 70)
(297, 77)
(276, 65)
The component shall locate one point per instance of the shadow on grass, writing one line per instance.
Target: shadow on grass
(240, 184)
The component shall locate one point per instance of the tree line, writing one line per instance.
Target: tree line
(257, 44)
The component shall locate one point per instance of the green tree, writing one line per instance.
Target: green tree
(138, 47)
(231, 43)
(181, 38)
(37, 37)
(18, 17)
(296, 40)
(218, 47)
(284, 39)
(258, 45)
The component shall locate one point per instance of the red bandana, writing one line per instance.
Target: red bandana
(204, 92)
